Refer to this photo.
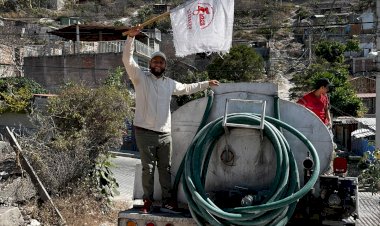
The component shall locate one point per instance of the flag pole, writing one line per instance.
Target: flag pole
(150, 21)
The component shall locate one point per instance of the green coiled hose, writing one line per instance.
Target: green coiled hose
(285, 191)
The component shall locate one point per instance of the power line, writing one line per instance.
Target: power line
(343, 113)
(328, 16)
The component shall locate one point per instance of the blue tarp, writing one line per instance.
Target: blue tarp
(361, 145)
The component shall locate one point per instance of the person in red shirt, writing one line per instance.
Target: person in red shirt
(317, 100)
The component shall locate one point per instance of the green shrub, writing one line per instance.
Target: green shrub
(303, 13)
(16, 94)
(80, 125)
(371, 174)
(99, 113)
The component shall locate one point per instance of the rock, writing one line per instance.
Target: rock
(3, 174)
(34, 222)
(46, 21)
(6, 151)
(106, 224)
(10, 216)
(13, 190)
(18, 190)
(8, 165)
(8, 168)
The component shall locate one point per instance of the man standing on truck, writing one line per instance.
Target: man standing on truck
(319, 103)
(153, 120)
(317, 100)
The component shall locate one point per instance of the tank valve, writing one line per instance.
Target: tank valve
(227, 156)
(308, 163)
(247, 200)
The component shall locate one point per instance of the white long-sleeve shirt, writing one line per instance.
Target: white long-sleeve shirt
(153, 95)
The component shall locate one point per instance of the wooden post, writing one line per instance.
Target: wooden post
(33, 175)
(150, 21)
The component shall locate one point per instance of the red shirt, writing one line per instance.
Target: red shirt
(318, 105)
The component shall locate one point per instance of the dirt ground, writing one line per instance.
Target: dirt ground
(76, 209)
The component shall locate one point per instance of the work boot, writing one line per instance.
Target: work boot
(148, 207)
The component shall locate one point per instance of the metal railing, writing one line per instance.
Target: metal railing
(143, 49)
(70, 48)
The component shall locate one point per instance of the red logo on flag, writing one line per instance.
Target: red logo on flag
(204, 14)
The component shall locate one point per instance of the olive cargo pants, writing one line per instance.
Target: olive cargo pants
(155, 148)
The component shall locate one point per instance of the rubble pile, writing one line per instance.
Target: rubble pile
(16, 189)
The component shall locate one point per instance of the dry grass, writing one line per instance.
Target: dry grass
(78, 207)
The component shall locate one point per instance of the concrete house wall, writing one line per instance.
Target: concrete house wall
(54, 71)
(7, 63)
(366, 91)
(364, 84)
(87, 62)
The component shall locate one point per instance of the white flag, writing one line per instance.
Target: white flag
(203, 26)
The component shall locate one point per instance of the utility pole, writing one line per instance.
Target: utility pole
(377, 136)
(309, 44)
(77, 42)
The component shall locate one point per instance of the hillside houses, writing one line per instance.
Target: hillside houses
(17, 39)
(90, 51)
(326, 6)
(89, 60)
(336, 21)
(53, 56)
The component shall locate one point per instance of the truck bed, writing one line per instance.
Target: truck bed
(156, 217)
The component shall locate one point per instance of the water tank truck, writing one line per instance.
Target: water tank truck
(244, 156)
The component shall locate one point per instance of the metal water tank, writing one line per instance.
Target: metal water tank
(250, 162)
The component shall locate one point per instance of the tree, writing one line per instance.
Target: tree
(190, 78)
(330, 64)
(333, 51)
(16, 94)
(70, 143)
(343, 98)
(241, 64)
(352, 45)
(143, 15)
(330, 51)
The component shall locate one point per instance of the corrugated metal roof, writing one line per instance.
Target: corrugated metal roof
(367, 121)
(94, 32)
(360, 133)
(366, 95)
(345, 120)
(373, 127)
(352, 79)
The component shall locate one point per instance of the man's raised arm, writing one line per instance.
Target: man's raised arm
(132, 68)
